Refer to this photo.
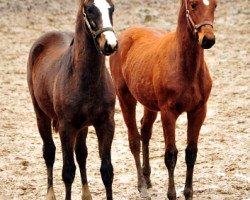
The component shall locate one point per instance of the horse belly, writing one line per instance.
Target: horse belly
(139, 79)
(142, 90)
(150, 104)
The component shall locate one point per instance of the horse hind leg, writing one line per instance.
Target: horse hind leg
(128, 107)
(81, 156)
(44, 127)
(146, 132)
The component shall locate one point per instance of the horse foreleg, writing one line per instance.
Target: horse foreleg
(168, 122)
(146, 132)
(81, 156)
(105, 134)
(67, 136)
(44, 127)
(195, 121)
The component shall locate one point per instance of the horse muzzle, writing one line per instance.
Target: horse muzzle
(206, 37)
(108, 43)
(207, 43)
(108, 49)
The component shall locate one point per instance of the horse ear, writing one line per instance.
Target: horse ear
(82, 2)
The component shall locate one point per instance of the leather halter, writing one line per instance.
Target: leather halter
(95, 34)
(195, 26)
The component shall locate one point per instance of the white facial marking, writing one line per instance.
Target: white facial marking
(111, 38)
(206, 2)
(103, 6)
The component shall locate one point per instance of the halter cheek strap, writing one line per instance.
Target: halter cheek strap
(195, 26)
(95, 34)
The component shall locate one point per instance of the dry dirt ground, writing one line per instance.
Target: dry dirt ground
(223, 164)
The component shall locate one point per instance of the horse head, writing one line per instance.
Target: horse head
(97, 16)
(200, 15)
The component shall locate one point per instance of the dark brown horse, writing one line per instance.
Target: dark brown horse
(71, 87)
(166, 72)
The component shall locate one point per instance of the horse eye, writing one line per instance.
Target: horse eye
(193, 5)
(89, 9)
(215, 6)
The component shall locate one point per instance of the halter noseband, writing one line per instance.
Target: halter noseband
(195, 26)
(95, 34)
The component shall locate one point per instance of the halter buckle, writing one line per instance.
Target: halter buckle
(94, 34)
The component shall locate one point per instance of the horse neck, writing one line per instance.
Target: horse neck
(88, 61)
(190, 54)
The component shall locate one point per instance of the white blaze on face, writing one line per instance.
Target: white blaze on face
(206, 2)
(103, 6)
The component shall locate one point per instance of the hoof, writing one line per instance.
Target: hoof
(86, 197)
(50, 194)
(144, 193)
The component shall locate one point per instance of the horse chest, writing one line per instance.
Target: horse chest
(92, 110)
(183, 99)
(86, 110)
(188, 98)
(83, 114)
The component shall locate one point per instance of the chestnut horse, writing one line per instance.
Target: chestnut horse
(166, 72)
(71, 87)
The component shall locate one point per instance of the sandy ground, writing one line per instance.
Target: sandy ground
(223, 164)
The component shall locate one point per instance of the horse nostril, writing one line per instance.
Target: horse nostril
(116, 46)
(108, 48)
(207, 42)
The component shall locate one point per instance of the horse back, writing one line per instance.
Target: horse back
(137, 39)
(50, 45)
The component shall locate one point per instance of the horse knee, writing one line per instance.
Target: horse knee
(191, 154)
(171, 158)
(107, 172)
(68, 173)
(135, 146)
(49, 154)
